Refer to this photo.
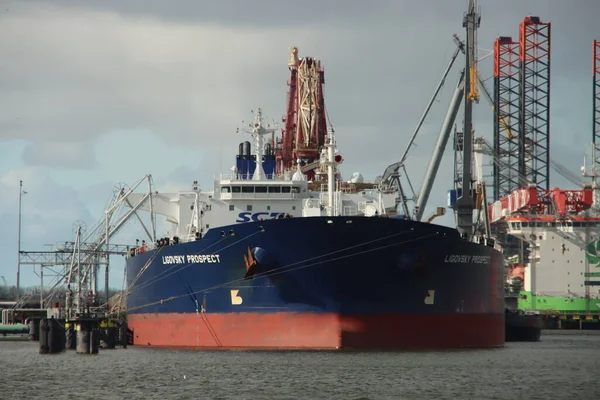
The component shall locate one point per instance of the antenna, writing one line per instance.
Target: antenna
(257, 130)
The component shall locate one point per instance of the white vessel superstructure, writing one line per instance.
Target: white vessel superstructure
(237, 198)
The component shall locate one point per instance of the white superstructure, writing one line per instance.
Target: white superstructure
(239, 198)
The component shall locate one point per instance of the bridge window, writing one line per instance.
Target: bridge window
(274, 189)
(225, 189)
(236, 189)
(286, 189)
(247, 189)
(260, 189)
(295, 189)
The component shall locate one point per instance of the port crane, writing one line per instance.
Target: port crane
(466, 91)
(477, 199)
(306, 118)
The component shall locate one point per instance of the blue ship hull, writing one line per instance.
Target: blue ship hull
(319, 282)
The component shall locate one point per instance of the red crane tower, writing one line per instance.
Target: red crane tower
(305, 121)
(506, 116)
(534, 130)
(596, 102)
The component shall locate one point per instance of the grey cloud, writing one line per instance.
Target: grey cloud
(287, 13)
(258, 13)
(48, 212)
(169, 79)
(190, 71)
(79, 155)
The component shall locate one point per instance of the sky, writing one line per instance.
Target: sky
(94, 94)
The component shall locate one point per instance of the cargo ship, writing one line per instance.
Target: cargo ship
(265, 262)
(282, 253)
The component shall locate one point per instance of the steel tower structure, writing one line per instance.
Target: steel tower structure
(506, 116)
(534, 93)
(596, 103)
(305, 121)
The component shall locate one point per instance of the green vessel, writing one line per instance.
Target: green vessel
(572, 305)
(558, 305)
(558, 268)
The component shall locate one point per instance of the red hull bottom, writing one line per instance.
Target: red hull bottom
(317, 331)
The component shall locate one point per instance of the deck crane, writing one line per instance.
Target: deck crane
(464, 205)
(391, 175)
(467, 90)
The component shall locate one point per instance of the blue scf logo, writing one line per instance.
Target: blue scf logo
(248, 216)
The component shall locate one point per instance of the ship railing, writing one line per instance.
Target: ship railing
(137, 250)
(134, 251)
(248, 177)
(275, 196)
(490, 242)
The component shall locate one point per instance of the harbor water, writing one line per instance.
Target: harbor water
(564, 365)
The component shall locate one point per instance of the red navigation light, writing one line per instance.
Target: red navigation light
(338, 159)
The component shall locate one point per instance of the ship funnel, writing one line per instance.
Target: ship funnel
(247, 148)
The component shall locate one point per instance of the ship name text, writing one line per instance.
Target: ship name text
(466, 259)
(192, 259)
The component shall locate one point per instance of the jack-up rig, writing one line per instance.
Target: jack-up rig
(528, 219)
(550, 236)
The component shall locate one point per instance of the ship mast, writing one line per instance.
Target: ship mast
(258, 131)
(331, 164)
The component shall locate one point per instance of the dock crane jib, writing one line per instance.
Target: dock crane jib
(392, 174)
